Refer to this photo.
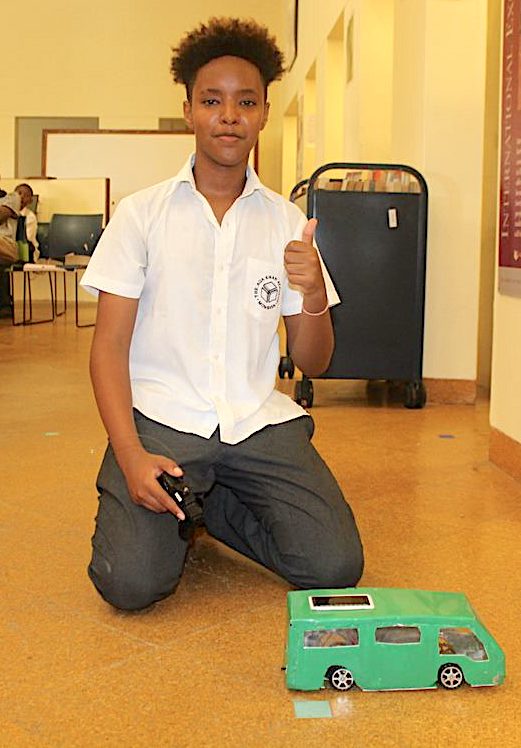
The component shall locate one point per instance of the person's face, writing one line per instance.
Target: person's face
(227, 110)
(25, 197)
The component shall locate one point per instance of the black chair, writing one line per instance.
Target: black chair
(42, 235)
(73, 234)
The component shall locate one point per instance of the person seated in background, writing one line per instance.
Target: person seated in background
(31, 228)
(10, 207)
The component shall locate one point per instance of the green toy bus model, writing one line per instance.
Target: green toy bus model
(385, 639)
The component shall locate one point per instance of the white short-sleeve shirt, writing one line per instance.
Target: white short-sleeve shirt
(205, 347)
(8, 227)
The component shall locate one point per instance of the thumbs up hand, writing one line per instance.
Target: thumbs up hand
(302, 263)
(309, 231)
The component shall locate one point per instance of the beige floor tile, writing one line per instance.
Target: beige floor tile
(178, 696)
(217, 586)
(43, 644)
(203, 667)
(40, 554)
(12, 735)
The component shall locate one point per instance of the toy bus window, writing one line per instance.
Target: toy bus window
(461, 641)
(398, 635)
(341, 602)
(331, 638)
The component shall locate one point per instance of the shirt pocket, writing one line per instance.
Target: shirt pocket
(262, 290)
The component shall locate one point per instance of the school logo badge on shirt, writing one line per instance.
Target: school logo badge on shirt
(267, 291)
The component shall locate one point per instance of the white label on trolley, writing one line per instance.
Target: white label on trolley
(392, 218)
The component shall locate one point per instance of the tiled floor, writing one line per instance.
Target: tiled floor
(203, 668)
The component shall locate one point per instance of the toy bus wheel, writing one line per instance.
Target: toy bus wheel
(450, 676)
(341, 678)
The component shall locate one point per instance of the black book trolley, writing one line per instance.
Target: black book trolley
(372, 231)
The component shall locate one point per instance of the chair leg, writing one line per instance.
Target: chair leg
(56, 312)
(27, 287)
(12, 291)
(27, 294)
(53, 295)
(76, 305)
(12, 295)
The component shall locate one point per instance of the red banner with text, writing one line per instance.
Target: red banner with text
(510, 178)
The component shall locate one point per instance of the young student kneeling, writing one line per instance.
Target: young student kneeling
(193, 275)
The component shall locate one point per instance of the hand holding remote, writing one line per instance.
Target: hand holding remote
(188, 503)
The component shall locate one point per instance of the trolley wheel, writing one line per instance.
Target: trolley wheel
(286, 366)
(415, 394)
(304, 392)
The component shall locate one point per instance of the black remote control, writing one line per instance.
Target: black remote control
(186, 500)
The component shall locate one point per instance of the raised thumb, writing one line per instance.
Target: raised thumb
(309, 231)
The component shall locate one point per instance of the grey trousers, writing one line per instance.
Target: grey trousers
(270, 497)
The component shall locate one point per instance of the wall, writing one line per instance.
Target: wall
(505, 402)
(110, 60)
(362, 130)
(505, 396)
(114, 153)
(417, 96)
(489, 195)
(65, 195)
(452, 90)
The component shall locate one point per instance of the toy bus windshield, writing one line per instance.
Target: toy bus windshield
(341, 602)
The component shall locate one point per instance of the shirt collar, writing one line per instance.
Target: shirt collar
(253, 183)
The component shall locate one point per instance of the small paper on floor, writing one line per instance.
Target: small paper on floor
(312, 709)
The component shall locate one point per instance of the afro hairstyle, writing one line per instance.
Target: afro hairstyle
(226, 36)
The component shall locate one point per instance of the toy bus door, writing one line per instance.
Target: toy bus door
(401, 657)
